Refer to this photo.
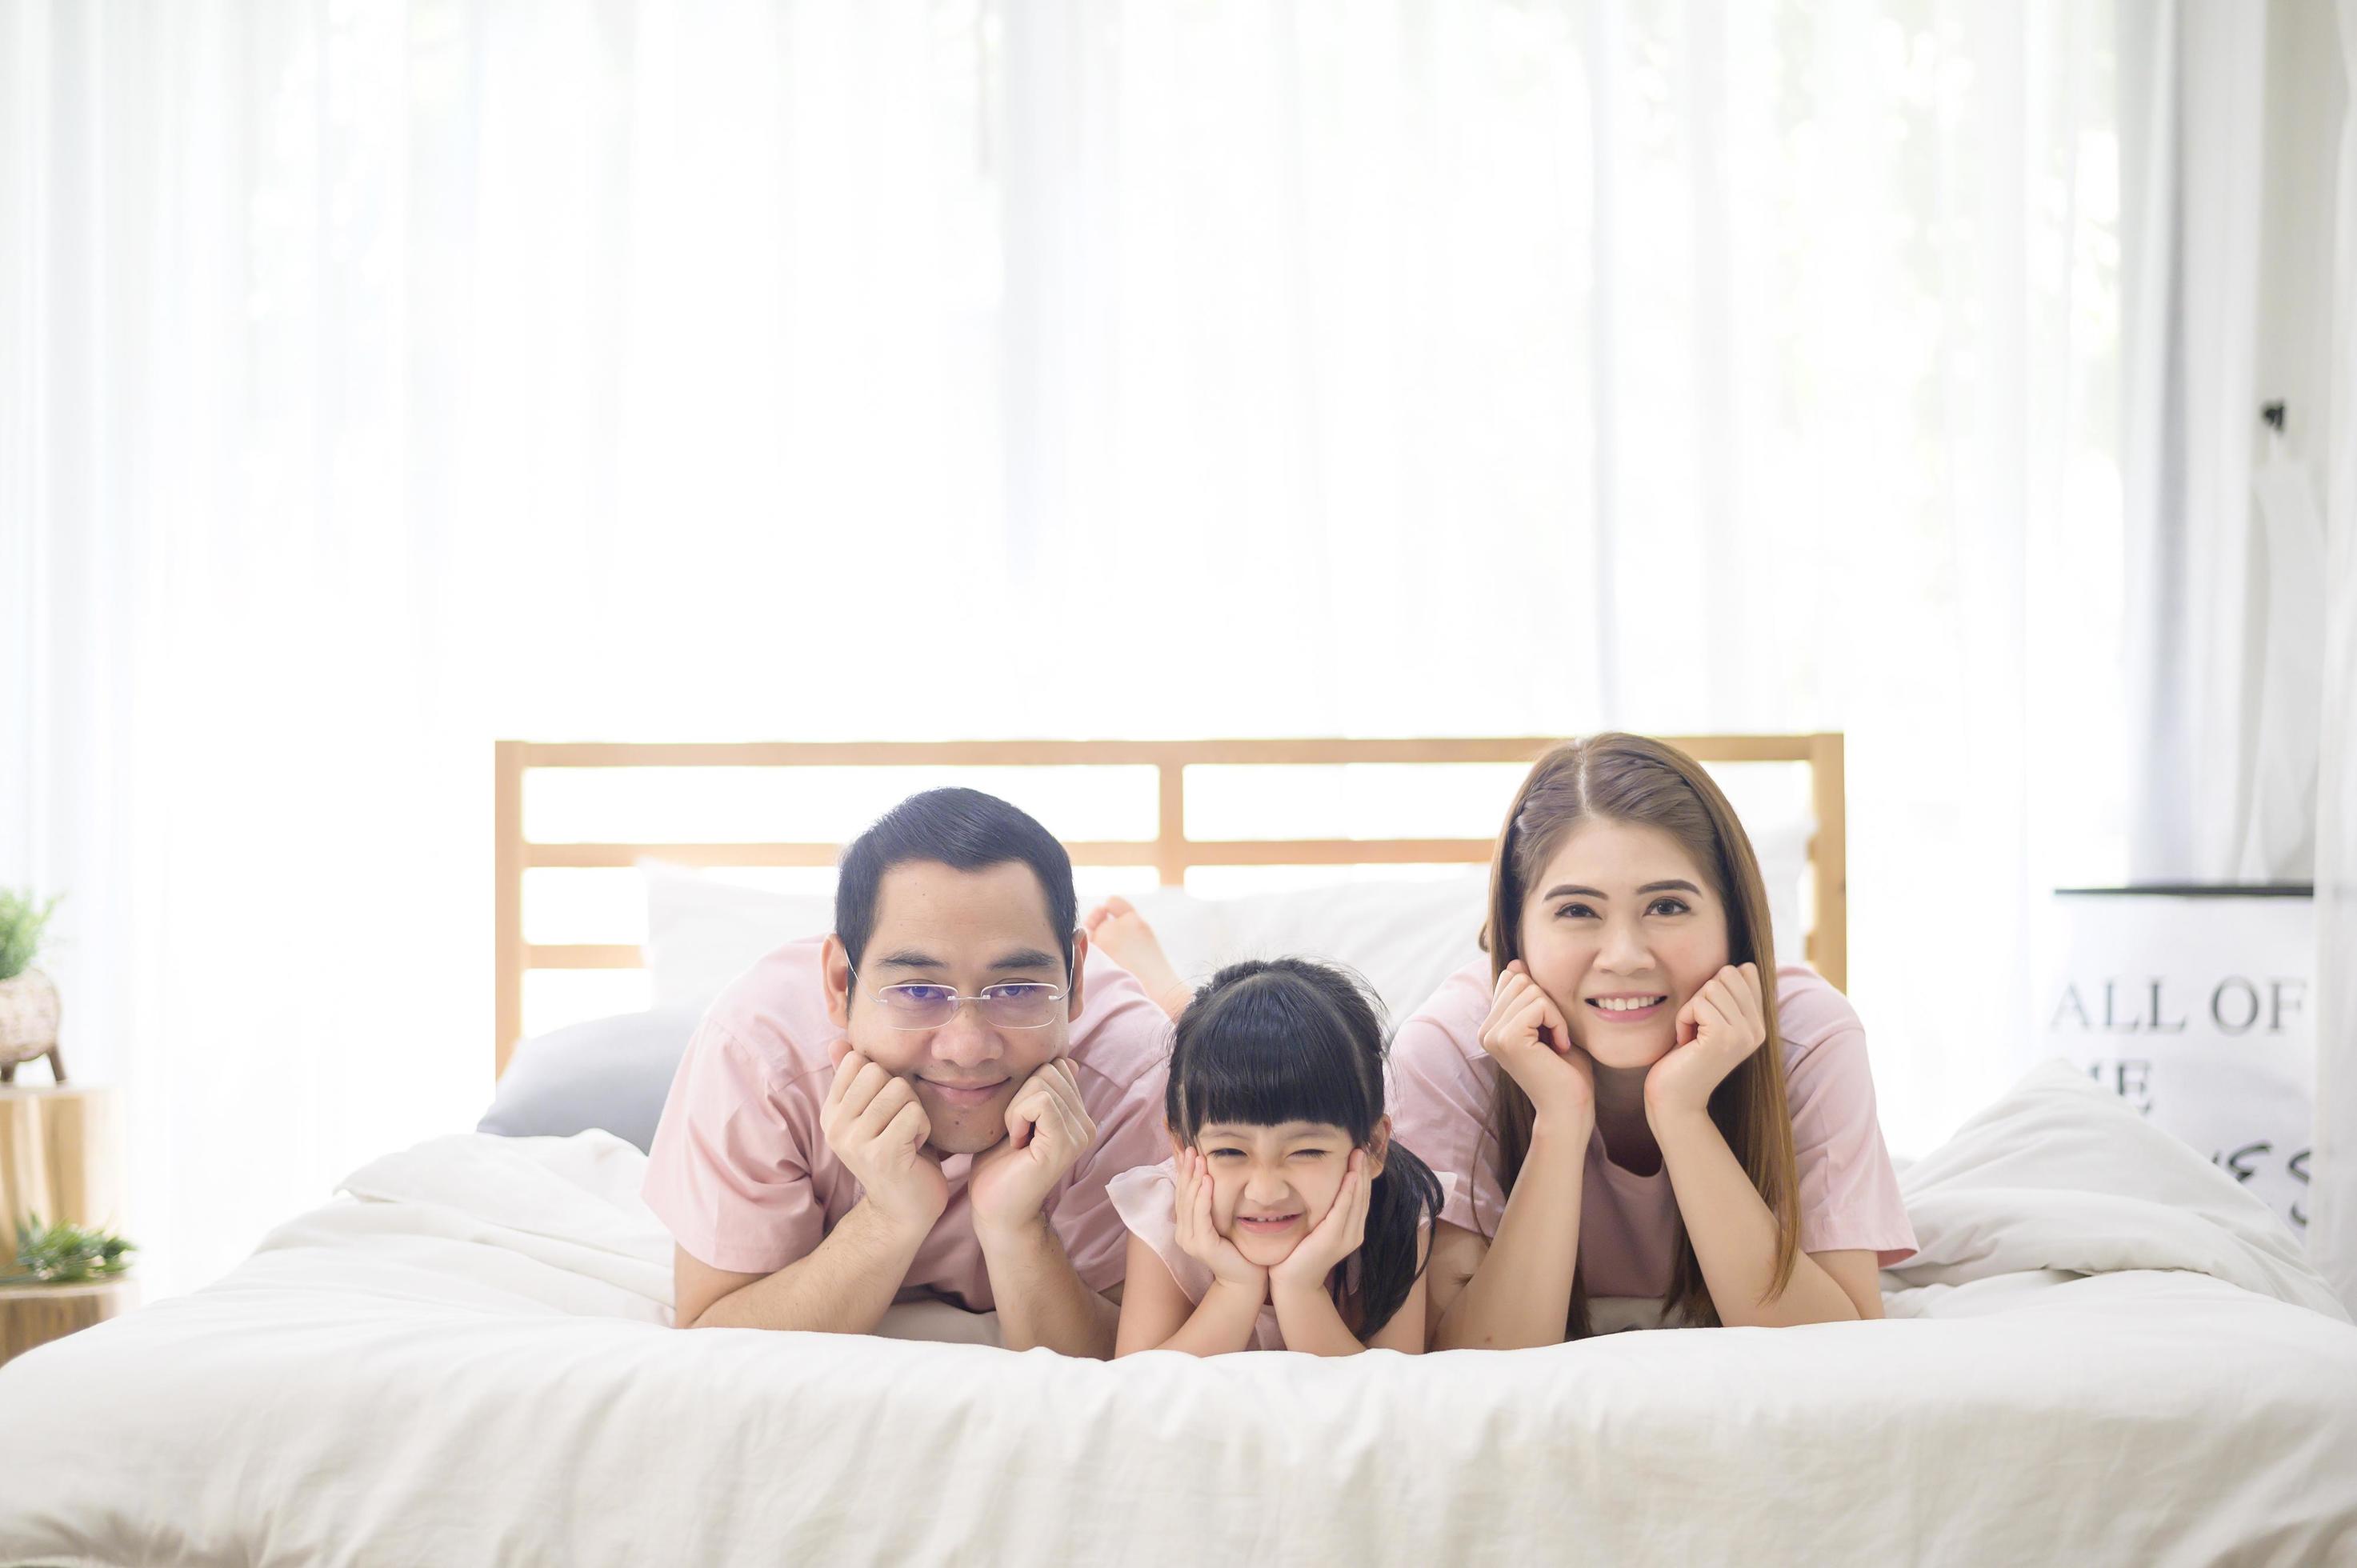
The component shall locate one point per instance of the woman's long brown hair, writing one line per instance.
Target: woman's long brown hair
(1629, 779)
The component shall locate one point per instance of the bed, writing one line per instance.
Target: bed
(2106, 1349)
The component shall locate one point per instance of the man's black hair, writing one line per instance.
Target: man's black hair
(964, 829)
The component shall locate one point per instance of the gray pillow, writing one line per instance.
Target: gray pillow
(612, 1073)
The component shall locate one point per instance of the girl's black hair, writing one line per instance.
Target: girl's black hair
(1276, 1040)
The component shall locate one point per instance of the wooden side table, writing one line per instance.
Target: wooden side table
(34, 1314)
(61, 1157)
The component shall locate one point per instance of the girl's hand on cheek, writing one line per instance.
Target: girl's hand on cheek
(1341, 1233)
(1719, 1027)
(1199, 1237)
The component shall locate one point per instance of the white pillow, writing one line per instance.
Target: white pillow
(703, 932)
(1193, 931)
(1404, 938)
(1782, 850)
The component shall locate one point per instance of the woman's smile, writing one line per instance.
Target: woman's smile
(1628, 1007)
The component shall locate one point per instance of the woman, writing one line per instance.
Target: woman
(1632, 1100)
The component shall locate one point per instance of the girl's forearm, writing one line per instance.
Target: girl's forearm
(1734, 1234)
(1310, 1320)
(1520, 1295)
(1222, 1322)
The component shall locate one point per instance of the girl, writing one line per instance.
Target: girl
(1641, 1106)
(1287, 1217)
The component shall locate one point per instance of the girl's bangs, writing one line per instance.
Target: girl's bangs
(1266, 1052)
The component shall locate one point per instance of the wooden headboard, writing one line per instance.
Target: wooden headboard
(1170, 852)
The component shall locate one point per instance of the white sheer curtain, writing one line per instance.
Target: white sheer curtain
(1675, 367)
(375, 381)
(2244, 270)
(2229, 153)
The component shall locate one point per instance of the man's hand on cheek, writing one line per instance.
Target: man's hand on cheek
(876, 1128)
(1048, 1131)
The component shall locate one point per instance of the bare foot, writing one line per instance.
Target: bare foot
(1121, 932)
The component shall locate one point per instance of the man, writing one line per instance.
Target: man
(926, 1102)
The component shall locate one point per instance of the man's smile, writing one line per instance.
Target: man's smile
(964, 1093)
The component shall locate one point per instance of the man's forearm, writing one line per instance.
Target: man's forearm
(841, 1287)
(1041, 1301)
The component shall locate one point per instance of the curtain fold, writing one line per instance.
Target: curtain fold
(2332, 1235)
(2192, 82)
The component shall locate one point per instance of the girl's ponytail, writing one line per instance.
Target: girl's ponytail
(1402, 1204)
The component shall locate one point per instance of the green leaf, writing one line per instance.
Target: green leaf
(22, 919)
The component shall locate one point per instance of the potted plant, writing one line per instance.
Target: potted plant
(63, 1254)
(28, 999)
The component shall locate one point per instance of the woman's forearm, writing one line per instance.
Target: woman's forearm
(1734, 1234)
(1520, 1295)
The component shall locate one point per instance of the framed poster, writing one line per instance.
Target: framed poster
(2191, 1004)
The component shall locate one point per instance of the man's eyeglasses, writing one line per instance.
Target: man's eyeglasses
(1013, 1004)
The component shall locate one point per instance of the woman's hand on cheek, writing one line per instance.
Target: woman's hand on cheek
(1199, 1236)
(1720, 1025)
(1334, 1238)
(1526, 1035)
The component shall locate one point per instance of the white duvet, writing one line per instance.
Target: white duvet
(2107, 1352)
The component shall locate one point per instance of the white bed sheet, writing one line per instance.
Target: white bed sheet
(2106, 1349)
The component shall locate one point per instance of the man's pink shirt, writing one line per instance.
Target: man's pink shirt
(1443, 1083)
(741, 1174)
